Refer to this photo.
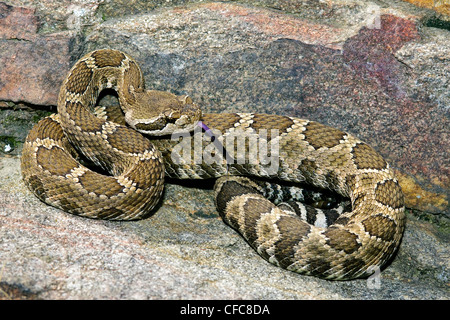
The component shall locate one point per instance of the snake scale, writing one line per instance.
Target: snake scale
(348, 246)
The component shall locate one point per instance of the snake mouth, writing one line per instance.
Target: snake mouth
(167, 125)
(157, 124)
(175, 121)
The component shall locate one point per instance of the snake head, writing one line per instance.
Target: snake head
(159, 113)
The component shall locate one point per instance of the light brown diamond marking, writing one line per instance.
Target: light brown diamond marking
(79, 79)
(319, 135)
(108, 58)
(365, 157)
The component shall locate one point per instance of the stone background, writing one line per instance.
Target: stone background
(379, 70)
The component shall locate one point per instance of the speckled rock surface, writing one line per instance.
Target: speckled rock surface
(382, 76)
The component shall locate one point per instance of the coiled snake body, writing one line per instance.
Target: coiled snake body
(354, 243)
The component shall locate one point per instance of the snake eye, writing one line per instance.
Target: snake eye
(172, 115)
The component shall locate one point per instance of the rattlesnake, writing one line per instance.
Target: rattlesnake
(353, 245)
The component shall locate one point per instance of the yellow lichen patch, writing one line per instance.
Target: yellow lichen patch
(419, 198)
(440, 6)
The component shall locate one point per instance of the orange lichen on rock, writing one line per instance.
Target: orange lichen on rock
(440, 6)
(418, 197)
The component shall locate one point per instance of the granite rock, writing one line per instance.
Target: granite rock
(381, 75)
